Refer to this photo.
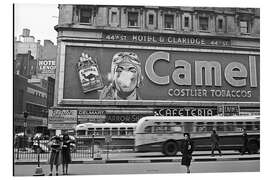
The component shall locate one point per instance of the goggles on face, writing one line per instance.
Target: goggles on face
(126, 56)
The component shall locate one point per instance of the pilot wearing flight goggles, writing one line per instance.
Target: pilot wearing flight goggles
(126, 77)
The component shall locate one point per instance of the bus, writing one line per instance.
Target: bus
(165, 133)
(121, 134)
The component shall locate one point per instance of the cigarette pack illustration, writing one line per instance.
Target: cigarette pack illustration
(89, 74)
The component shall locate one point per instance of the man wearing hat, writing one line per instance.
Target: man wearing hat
(126, 77)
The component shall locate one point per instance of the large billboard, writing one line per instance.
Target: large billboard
(160, 75)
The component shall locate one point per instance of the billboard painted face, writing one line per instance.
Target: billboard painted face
(141, 74)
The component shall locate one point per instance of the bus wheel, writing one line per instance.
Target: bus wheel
(253, 146)
(170, 148)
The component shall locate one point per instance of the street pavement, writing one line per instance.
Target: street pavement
(147, 163)
(146, 168)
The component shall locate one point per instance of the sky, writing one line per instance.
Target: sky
(39, 18)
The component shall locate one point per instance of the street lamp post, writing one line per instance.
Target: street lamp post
(93, 143)
(25, 115)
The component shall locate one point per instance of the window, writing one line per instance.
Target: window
(106, 131)
(159, 129)
(148, 129)
(209, 126)
(168, 21)
(229, 126)
(133, 19)
(220, 126)
(186, 22)
(130, 131)
(90, 131)
(220, 24)
(98, 132)
(85, 15)
(114, 131)
(35, 110)
(244, 27)
(249, 126)
(257, 125)
(239, 126)
(177, 129)
(122, 131)
(151, 19)
(203, 23)
(81, 132)
(114, 17)
(200, 127)
(188, 127)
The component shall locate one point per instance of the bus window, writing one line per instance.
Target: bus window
(239, 125)
(200, 127)
(122, 131)
(159, 129)
(220, 126)
(130, 131)
(148, 129)
(256, 125)
(81, 132)
(90, 131)
(106, 131)
(177, 129)
(114, 131)
(178, 124)
(229, 126)
(249, 126)
(188, 127)
(209, 126)
(98, 132)
(168, 128)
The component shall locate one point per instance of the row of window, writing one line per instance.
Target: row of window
(36, 110)
(203, 127)
(133, 20)
(107, 131)
(36, 92)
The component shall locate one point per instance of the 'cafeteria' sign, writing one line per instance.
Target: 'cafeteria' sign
(187, 111)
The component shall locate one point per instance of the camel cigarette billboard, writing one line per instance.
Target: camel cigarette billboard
(161, 75)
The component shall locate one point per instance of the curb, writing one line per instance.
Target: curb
(117, 161)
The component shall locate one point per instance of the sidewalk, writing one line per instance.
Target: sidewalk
(147, 158)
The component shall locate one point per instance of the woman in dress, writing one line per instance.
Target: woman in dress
(55, 154)
(66, 157)
(186, 149)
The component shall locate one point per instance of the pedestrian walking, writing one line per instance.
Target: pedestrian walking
(215, 143)
(245, 143)
(66, 156)
(55, 154)
(186, 150)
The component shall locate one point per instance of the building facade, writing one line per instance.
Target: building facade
(25, 65)
(43, 55)
(192, 61)
(30, 98)
(27, 43)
